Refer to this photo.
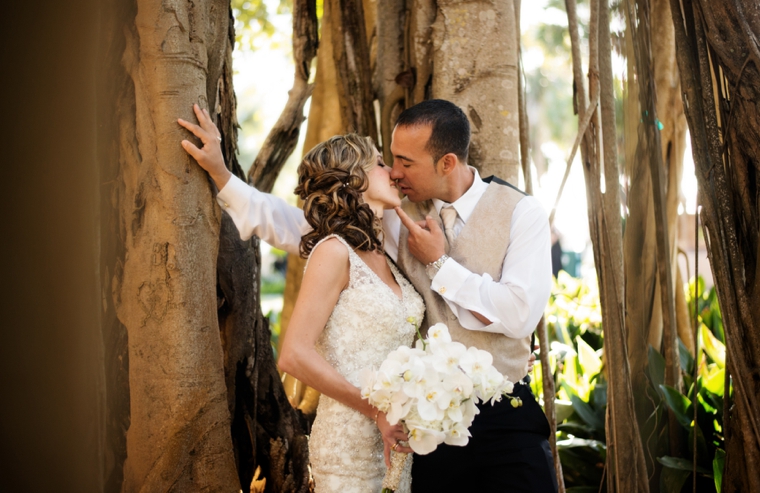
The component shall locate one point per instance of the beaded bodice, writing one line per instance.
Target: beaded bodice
(369, 320)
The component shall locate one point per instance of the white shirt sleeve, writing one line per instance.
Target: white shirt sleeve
(264, 215)
(517, 301)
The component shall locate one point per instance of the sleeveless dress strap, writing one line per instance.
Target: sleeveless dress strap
(350, 250)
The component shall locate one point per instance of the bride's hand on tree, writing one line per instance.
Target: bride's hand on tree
(209, 156)
(392, 435)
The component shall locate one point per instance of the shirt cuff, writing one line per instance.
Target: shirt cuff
(449, 278)
(450, 283)
(234, 195)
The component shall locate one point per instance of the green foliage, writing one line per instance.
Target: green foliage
(254, 21)
(274, 328)
(705, 396)
(574, 324)
(274, 284)
(253, 16)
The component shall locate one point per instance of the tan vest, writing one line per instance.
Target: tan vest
(481, 247)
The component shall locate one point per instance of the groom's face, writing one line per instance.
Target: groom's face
(413, 168)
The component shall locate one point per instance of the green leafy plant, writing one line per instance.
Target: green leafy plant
(705, 396)
(574, 323)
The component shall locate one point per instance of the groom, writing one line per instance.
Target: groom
(486, 274)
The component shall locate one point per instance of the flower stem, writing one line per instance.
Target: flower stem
(419, 334)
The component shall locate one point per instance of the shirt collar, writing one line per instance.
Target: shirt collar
(465, 204)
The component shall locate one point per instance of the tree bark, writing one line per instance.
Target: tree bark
(475, 67)
(179, 435)
(626, 470)
(391, 77)
(716, 42)
(651, 151)
(266, 430)
(352, 63)
(419, 49)
(522, 110)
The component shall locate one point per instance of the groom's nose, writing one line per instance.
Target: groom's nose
(396, 173)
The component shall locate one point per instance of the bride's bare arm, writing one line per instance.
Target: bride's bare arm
(323, 281)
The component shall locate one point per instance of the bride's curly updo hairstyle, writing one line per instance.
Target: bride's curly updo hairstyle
(331, 179)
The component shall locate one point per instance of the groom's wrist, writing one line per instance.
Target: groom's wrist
(433, 267)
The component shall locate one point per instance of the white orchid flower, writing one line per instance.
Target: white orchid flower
(438, 333)
(476, 361)
(432, 405)
(458, 435)
(366, 381)
(400, 405)
(446, 356)
(470, 410)
(420, 377)
(381, 399)
(390, 380)
(424, 440)
(455, 412)
(459, 384)
(434, 388)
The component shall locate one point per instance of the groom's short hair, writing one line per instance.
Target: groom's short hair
(450, 127)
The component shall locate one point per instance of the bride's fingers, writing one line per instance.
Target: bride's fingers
(213, 129)
(204, 118)
(387, 454)
(400, 435)
(401, 449)
(201, 116)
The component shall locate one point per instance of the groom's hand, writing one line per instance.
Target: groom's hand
(426, 243)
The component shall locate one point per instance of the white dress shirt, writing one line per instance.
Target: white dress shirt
(514, 304)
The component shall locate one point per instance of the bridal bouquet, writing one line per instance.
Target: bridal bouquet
(433, 388)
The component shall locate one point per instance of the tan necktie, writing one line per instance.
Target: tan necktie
(449, 217)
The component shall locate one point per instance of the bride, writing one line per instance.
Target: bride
(354, 306)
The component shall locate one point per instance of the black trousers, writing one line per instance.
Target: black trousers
(508, 452)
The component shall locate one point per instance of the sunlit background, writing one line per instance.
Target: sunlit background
(264, 68)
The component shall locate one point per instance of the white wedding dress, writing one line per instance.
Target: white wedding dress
(368, 322)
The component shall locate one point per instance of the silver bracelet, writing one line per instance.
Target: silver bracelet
(433, 267)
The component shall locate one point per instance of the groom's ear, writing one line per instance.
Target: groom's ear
(448, 163)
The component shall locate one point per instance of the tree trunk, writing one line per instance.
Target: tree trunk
(475, 67)
(715, 44)
(626, 470)
(673, 146)
(206, 403)
(391, 77)
(266, 430)
(352, 64)
(179, 435)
